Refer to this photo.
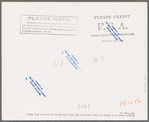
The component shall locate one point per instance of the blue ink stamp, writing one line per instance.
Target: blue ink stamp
(113, 32)
(72, 60)
(39, 85)
(36, 86)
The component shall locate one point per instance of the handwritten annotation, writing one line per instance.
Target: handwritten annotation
(124, 103)
(62, 62)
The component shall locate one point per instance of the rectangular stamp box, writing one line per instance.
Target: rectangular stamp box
(48, 25)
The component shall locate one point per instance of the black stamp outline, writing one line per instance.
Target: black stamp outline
(50, 34)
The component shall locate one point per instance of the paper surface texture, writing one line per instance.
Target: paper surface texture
(74, 61)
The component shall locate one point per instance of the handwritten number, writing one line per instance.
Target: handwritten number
(130, 102)
(57, 63)
(54, 63)
(62, 63)
(78, 106)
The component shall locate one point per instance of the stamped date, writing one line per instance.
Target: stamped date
(83, 106)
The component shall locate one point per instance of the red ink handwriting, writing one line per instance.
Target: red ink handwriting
(124, 103)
